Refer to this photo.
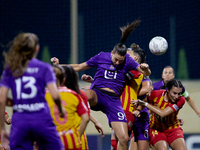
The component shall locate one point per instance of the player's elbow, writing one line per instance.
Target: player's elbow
(162, 113)
(85, 118)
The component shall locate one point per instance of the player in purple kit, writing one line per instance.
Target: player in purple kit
(107, 85)
(167, 75)
(27, 77)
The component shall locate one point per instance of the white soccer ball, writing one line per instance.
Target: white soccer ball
(158, 45)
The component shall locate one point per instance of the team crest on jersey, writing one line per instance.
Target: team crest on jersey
(110, 74)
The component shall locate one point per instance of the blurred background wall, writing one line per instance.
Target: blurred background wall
(78, 29)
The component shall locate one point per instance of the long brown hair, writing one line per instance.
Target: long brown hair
(120, 48)
(71, 79)
(21, 51)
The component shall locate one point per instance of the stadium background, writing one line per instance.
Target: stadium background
(98, 30)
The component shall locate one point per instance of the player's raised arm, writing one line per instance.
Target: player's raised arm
(80, 67)
(77, 67)
(144, 68)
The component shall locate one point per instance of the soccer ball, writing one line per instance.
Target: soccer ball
(158, 45)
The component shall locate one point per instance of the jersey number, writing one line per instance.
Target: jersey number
(154, 133)
(121, 116)
(29, 84)
(59, 120)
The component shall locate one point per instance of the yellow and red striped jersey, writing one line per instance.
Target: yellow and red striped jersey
(84, 142)
(71, 139)
(72, 103)
(84, 99)
(156, 98)
(130, 91)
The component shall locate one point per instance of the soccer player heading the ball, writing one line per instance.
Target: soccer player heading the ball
(104, 93)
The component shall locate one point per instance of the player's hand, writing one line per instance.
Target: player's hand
(134, 102)
(136, 113)
(8, 120)
(86, 87)
(99, 128)
(198, 114)
(86, 78)
(55, 60)
(4, 138)
(140, 102)
(180, 120)
(144, 66)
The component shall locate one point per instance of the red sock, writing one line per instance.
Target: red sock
(114, 143)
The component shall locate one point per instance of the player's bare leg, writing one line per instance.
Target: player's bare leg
(133, 144)
(92, 97)
(161, 145)
(143, 145)
(121, 131)
(178, 144)
(151, 147)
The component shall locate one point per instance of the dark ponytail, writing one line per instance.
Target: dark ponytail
(120, 48)
(71, 79)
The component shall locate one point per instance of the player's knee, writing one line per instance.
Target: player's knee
(124, 140)
(114, 144)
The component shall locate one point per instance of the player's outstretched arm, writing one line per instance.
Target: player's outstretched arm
(192, 105)
(97, 125)
(144, 68)
(162, 113)
(77, 67)
(87, 78)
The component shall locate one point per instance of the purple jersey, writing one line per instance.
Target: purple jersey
(108, 75)
(161, 86)
(29, 90)
(31, 118)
